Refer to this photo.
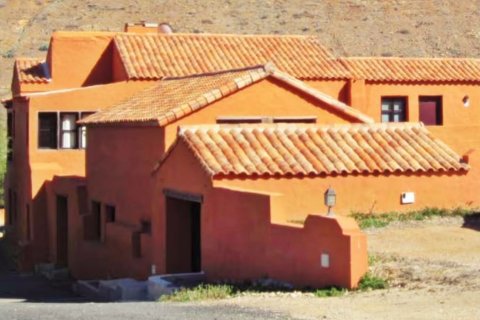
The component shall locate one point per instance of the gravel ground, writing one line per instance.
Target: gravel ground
(432, 266)
(124, 311)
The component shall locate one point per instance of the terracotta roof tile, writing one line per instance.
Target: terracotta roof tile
(293, 149)
(31, 70)
(154, 56)
(174, 98)
(413, 69)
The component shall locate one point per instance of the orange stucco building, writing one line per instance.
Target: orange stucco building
(212, 152)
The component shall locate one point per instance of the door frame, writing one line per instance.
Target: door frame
(192, 198)
(61, 250)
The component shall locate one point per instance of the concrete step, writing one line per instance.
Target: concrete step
(125, 289)
(51, 272)
(169, 283)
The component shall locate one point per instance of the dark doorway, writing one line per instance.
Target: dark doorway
(183, 236)
(62, 231)
(431, 110)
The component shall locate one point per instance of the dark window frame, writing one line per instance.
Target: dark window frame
(10, 134)
(97, 216)
(53, 142)
(391, 112)
(110, 213)
(28, 216)
(9, 212)
(438, 111)
(15, 207)
(265, 119)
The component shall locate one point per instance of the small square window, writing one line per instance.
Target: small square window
(430, 110)
(394, 109)
(110, 213)
(146, 226)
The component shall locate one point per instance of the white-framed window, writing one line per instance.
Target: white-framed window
(68, 130)
(59, 130)
(394, 109)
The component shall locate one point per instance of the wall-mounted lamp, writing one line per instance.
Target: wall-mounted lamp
(466, 101)
(330, 197)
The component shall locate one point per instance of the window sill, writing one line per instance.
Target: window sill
(59, 150)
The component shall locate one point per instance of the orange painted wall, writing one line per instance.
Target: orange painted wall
(265, 98)
(91, 53)
(74, 59)
(338, 89)
(113, 149)
(119, 73)
(365, 193)
(69, 162)
(381, 193)
(240, 241)
(120, 161)
(32, 168)
(108, 258)
(367, 98)
(120, 158)
(190, 177)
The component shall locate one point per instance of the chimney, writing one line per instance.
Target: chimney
(148, 27)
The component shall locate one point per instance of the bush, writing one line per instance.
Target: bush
(383, 219)
(43, 47)
(200, 292)
(330, 292)
(371, 282)
(9, 54)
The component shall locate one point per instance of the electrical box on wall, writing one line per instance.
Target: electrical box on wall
(407, 197)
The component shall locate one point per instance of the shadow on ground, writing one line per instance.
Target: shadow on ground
(472, 221)
(15, 286)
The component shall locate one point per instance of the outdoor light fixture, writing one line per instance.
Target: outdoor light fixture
(466, 101)
(330, 197)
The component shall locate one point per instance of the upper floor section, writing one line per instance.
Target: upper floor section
(84, 72)
(146, 52)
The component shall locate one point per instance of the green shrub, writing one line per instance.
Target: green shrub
(43, 47)
(372, 259)
(371, 282)
(383, 219)
(200, 292)
(9, 54)
(330, 292)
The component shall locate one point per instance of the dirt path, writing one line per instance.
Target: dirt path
(433, 267)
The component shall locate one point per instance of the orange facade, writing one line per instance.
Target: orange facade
(110, 204)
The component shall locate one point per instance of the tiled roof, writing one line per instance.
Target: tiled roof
(154, 56)
(31, 70)
(413, 69)
(318, 150)
(173, 99)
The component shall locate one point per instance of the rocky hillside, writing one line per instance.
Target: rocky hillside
(349, 27)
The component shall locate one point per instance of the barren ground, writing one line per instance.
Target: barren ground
(433, 268)
(349, 27)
